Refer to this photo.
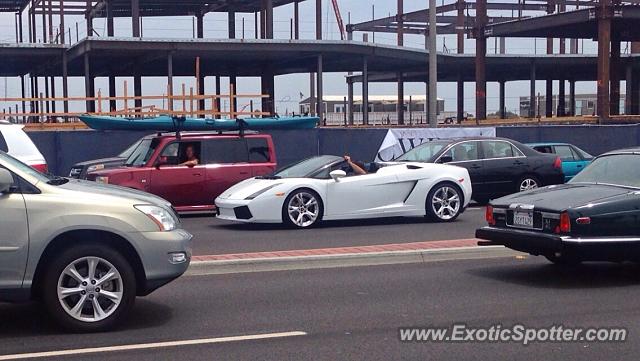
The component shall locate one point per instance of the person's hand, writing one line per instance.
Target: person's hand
(347, 158)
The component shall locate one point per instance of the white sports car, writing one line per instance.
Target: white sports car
(325, 188)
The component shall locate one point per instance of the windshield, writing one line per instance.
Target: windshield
(423, 152)
(620, 169)
(127, 152)
(141, 154)
(306, 167)
(18, 166)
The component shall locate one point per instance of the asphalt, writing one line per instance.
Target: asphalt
(215, 236)
(353, 313)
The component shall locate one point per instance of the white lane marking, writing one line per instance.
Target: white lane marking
(142, 346)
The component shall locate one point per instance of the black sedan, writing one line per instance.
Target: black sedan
(596, 216)
(497, 166)
(80, 170)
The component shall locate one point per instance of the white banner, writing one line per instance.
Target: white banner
(399, 141)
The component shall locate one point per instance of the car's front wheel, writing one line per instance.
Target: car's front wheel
(89, 288)
(444, 202)
(302, 209)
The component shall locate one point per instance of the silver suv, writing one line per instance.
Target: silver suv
(86, 250)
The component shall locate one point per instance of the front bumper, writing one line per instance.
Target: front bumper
(537, 243)
(258, 210)
(156, 250)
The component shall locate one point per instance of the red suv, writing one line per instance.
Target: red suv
(223, 160)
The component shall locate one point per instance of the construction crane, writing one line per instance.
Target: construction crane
(336, 9)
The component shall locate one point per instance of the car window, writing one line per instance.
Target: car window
(169, 154)
(499, 149)
(463, 152)
(142, 153)
(258, 150)
(216, 151)
(3, 144)
(565, 153)
(621, 169)
(424, 152)
(544, 149)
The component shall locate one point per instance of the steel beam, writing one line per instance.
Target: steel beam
(548, 109)
(365, 91)
(296, 20)
(635, 92)
(604, 52)
(200, 26)
(320, 91)
(561, 99)
(532, 91)
(89, 89)
(350, 102)
(614, 73)
(268, 13)
(572, 97)
(502, 110)
(135, 18)
(137, 88)
(318, 19)
(170, 81)
(110, 27)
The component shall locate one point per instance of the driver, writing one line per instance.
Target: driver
(192, 159)
(356, 167)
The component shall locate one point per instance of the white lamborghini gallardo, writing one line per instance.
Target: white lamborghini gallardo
(325, 188)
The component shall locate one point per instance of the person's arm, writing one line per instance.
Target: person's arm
(191, 163)
(356, 168)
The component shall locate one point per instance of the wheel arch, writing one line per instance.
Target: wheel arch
(70, 238)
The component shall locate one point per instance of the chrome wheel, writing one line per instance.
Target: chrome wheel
(303, 209)
(445, 203)
(527, 184)
(90, 289)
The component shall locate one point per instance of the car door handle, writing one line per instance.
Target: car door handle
(474, 166)
(517, 162)
(197, 175)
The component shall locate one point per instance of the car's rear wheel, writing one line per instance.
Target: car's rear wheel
(302, 209)
(444, 202)
(89, 288)
(528, 182)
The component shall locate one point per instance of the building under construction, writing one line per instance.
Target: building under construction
(41, 59)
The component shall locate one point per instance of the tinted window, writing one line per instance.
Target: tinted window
(225, 151)
(565, 153)
(499, 149)
(544, 149)
(423, 152)
(142, 153)
(3, 144)
(258, 150)
(463, 152)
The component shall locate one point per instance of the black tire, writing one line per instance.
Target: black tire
(528, 180)
(126, 284)
(293, 200)
(562, 260)
(431, 208)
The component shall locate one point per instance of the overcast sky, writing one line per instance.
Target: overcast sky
(289, 87)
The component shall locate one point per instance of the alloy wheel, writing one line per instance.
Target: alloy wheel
(90, 289)
(303, 209)
(446, 203)
(527, 184)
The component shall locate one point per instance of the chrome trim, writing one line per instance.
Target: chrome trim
(550, 215)
(499, 211)
(528, 207)
(599, 240)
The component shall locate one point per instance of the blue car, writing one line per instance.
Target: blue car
(573, 158)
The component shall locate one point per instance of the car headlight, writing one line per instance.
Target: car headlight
(95, 167)
(103, 180)
(163, 218)
(254, 195)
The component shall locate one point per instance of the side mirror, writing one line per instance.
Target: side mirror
(6, 181)
(446, 159)
(337, 174)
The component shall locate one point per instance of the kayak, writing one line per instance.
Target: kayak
(172, 124)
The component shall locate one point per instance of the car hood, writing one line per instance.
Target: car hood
(565, 196)
(112, 160)
(250, 186)
(101, 190)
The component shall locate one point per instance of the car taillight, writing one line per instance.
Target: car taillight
(489, 216)
(42, 168)
(557, 164)
(565, 223)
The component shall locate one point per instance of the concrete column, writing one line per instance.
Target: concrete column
(319, 90)
(135, 18)
(88, 18)
(460, 99)
(502, 112)
(110, 28)
(267, 85)
(170, 81)
(561, 99)
(614, 72)
(65, 83)
(218, 100)
(268, 12)
(318, 19)
(231, 16)
(400, 42)
(89, 88)
(233, 82)
(481, 53)
(604, 50)
(365, 91)
(137, 88)
(548, 99)
(23, 95)
(350, 101)
(200, 26)
(532, 91)
(112, 92)
(635, 92)
(400, 105)
(296, 21)
(572, 97)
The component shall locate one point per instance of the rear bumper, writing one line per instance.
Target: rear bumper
(536, 243)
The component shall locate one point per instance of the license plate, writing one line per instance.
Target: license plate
(523, 219)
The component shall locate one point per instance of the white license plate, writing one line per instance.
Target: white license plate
(523, 219)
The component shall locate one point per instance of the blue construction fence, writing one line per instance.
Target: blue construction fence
(63, 149)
